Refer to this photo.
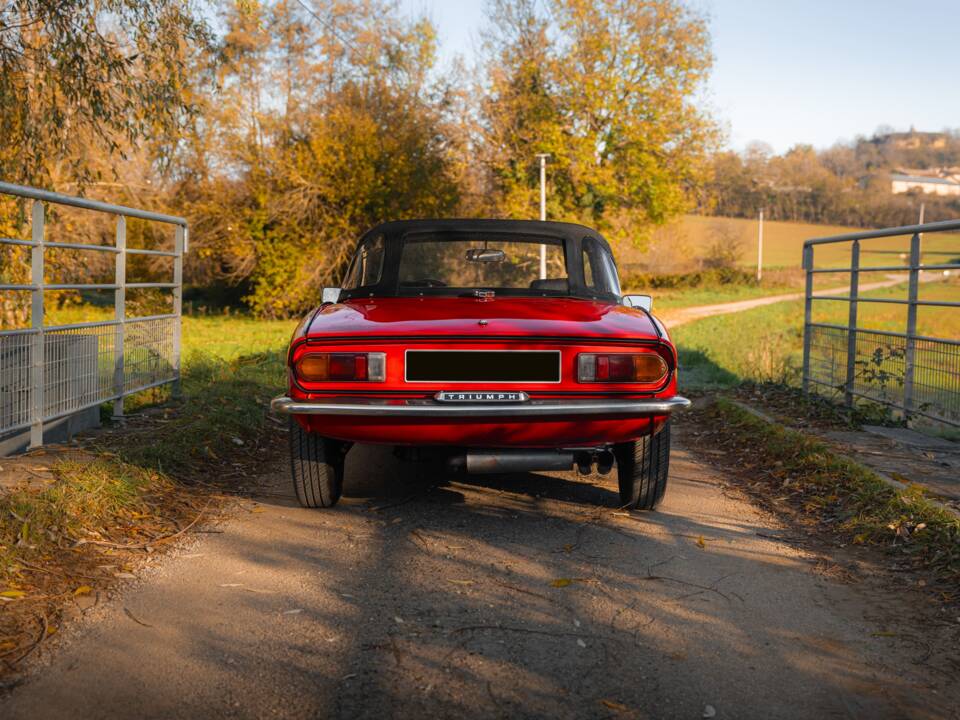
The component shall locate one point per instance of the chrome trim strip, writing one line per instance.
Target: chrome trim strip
(429, 408)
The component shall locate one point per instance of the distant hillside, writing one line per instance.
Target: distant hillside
(910, 149)
(848, 184)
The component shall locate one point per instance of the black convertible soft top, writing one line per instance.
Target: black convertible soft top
(570, 235)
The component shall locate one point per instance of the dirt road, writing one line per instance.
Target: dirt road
(680, 316)
(511, 596)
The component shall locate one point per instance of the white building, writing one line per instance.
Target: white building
(929, 185)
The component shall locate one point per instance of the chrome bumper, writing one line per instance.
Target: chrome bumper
(431, 409)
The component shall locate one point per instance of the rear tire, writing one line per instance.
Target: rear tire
(642, 469)
(316, 464)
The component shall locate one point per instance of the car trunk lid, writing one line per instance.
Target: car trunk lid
(469, 318)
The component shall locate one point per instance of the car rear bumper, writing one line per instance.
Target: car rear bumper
(380, 408)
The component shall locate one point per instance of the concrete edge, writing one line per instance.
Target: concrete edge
(895, 484)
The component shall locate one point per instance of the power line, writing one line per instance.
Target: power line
(328, 25)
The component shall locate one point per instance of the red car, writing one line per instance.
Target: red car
(492, 345)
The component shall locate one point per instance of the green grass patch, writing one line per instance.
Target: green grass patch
(849, 497)
(232, 367)
(674, 299)
(766, 344)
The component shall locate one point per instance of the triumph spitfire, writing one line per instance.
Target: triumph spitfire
(491, 345)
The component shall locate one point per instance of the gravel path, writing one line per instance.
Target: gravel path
(513, 596)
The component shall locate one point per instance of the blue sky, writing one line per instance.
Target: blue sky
(802, 71)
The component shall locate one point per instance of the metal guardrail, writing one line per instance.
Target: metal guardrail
(917, 374)
(47, 373)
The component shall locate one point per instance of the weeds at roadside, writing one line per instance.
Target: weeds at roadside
(140, 484)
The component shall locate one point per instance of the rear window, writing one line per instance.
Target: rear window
(430, 261)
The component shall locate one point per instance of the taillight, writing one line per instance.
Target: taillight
(320, 367)
(646, 367)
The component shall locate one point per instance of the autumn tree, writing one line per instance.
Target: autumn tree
(86, 87)
(328, 122)
(75, 73)
(606, 87)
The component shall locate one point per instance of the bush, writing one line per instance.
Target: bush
(698, 279)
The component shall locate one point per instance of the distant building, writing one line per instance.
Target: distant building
(927, 184)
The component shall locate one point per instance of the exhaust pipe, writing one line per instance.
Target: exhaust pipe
(511, 461)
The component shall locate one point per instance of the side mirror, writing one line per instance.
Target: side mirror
(330, 295)
(644, 302)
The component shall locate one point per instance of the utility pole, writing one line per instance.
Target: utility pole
(760, 248)
(543, 210)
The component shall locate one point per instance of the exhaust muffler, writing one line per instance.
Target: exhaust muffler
(511, 461)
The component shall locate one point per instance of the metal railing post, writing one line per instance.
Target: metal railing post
(36, 323)
(179, 248)
(911, 349)
(120, 314)
(807, 314)
(852, 322)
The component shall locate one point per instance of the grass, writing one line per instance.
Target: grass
(675, 299)
(232, 367)
(853, 500)
(766, 343)
(783, 243)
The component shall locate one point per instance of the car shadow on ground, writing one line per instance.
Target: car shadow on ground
(521, 595)
(526, 595)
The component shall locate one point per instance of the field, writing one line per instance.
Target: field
(783, 243)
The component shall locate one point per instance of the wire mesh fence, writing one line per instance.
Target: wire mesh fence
(880, 370)
(48, 372)
(918, 374)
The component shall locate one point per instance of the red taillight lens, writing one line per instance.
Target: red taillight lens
(646, 367)
(320, 367)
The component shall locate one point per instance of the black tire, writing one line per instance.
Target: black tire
(642, 469)
(316, 464)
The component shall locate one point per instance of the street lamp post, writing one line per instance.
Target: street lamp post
(543, 210)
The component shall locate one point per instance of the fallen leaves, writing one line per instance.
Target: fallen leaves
(13, 594)
(83, 590)
(612, 705)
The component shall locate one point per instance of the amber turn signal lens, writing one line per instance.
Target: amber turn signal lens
(321, 367)
(646, 367)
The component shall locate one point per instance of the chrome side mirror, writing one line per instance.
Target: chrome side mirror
(330, 295)
(645, 302)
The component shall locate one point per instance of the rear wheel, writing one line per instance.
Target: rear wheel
(317, 467)
(642, 468)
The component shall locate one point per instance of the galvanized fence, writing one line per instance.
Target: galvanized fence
(47, 373)
(914, 373)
